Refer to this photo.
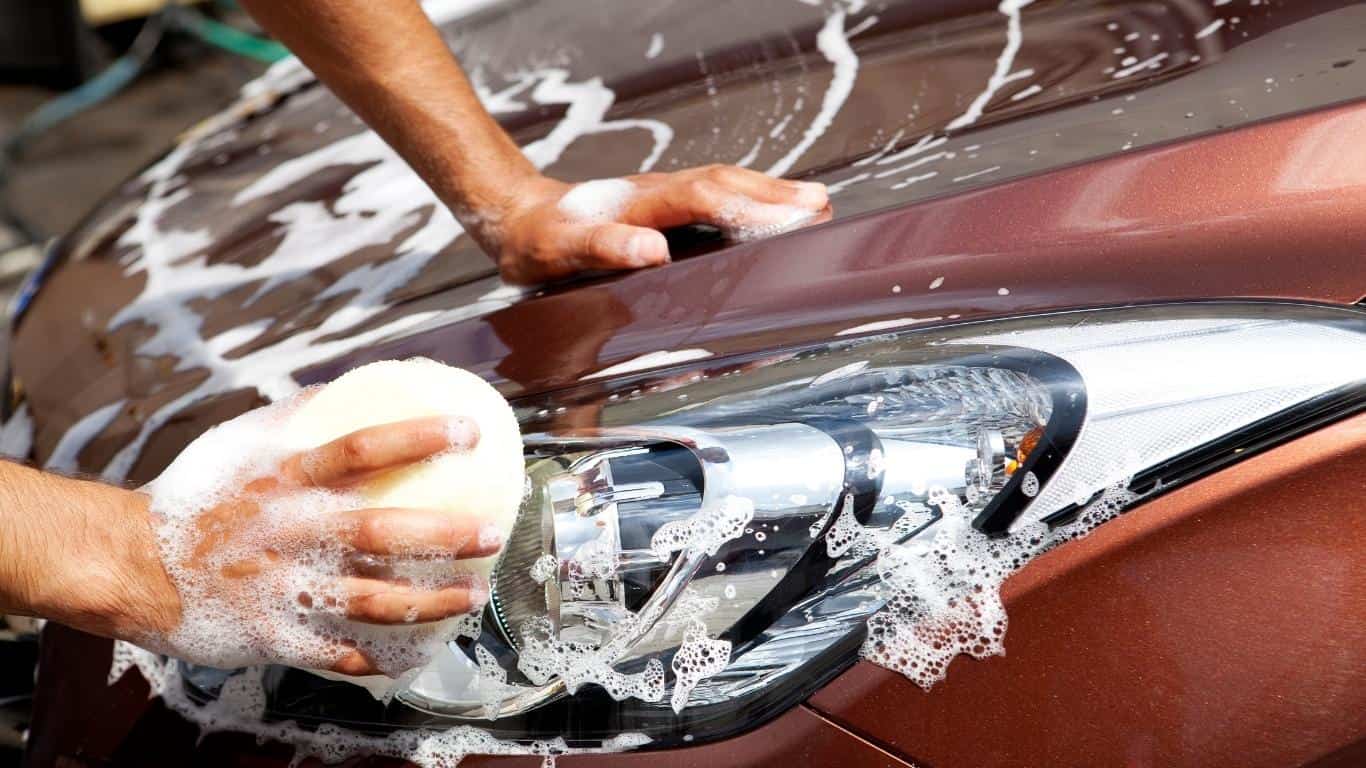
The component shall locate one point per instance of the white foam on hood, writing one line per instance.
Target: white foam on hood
(650, 360)
(1005, 62)
(834, 45)
(1003, 73)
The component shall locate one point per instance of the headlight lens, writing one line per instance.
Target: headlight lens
(714, 549)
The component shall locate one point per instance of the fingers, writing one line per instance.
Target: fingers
(740, 202)
(354, 663)
(762, 188)
(621, 246)
(374, 601)
(216, 526)
(419, 532)
(353, 457)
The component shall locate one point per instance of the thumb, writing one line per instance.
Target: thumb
(621, 246)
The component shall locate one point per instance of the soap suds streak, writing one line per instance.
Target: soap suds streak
(753, 154)
(64, 457)
(900, 169)
(364, 213)
(650, 360)
(1152, 62)
(975, 174)
(924, 144)
(1209, 29)
(1003, 73)
(834, 45)
(656, 46)
(16, 434)
(914, 179)
(887, 325)
(1004, 63)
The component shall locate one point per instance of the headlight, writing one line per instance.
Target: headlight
(730, 537)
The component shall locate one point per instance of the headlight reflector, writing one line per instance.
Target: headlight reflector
(727, 538)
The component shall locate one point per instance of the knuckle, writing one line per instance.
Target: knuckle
(598, 243)
(721, 174)
(699, 189)
(356, 449)
(361, 606)
(369, 532)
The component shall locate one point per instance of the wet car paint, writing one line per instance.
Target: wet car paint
(1136, 228)
(309, 190)
(1271, 210)
(1211, 627)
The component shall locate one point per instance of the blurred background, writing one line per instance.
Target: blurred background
(90, 92)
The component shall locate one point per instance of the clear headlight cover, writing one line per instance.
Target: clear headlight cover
(716, 546)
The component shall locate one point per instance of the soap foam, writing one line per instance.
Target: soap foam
(594, 202)
(293, 611)
(544, 657)
(943, 595)
(706, 530)
(241, 705)
(698, 658)
(845, 531)
(749, 220)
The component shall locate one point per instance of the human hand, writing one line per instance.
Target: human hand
(279, 560)
(543, 229)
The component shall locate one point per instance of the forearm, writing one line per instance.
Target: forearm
(81, 553)
(390, 65)
(387, 61)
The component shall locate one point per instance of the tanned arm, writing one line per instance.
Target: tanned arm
(85, 554)
(389, 64)
(81, 553)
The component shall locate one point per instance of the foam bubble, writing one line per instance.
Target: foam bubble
(292, 609)
(706, 530)
(845, 531)
(698, 658)
(597, 201)
(943, 595)
(545, 568)
(544, 657)
(241, 704)
(750, 220)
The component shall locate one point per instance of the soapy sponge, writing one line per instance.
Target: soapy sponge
(486, 482)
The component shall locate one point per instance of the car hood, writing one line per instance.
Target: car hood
(983, 160)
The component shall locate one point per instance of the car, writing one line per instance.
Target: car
(1087, 327)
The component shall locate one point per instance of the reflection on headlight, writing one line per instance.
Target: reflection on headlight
(725, 542)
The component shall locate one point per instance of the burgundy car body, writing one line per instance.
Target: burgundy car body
(1223, 623)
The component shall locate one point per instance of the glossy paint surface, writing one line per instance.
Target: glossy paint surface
(264, 229)
(1276, 210)
(1228, 167)
(1221, 625)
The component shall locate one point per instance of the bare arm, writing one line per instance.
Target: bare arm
(387, 61)
(81, 553)
(85, 554)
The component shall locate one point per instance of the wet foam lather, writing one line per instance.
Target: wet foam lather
(238, 628)
(292, 611)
